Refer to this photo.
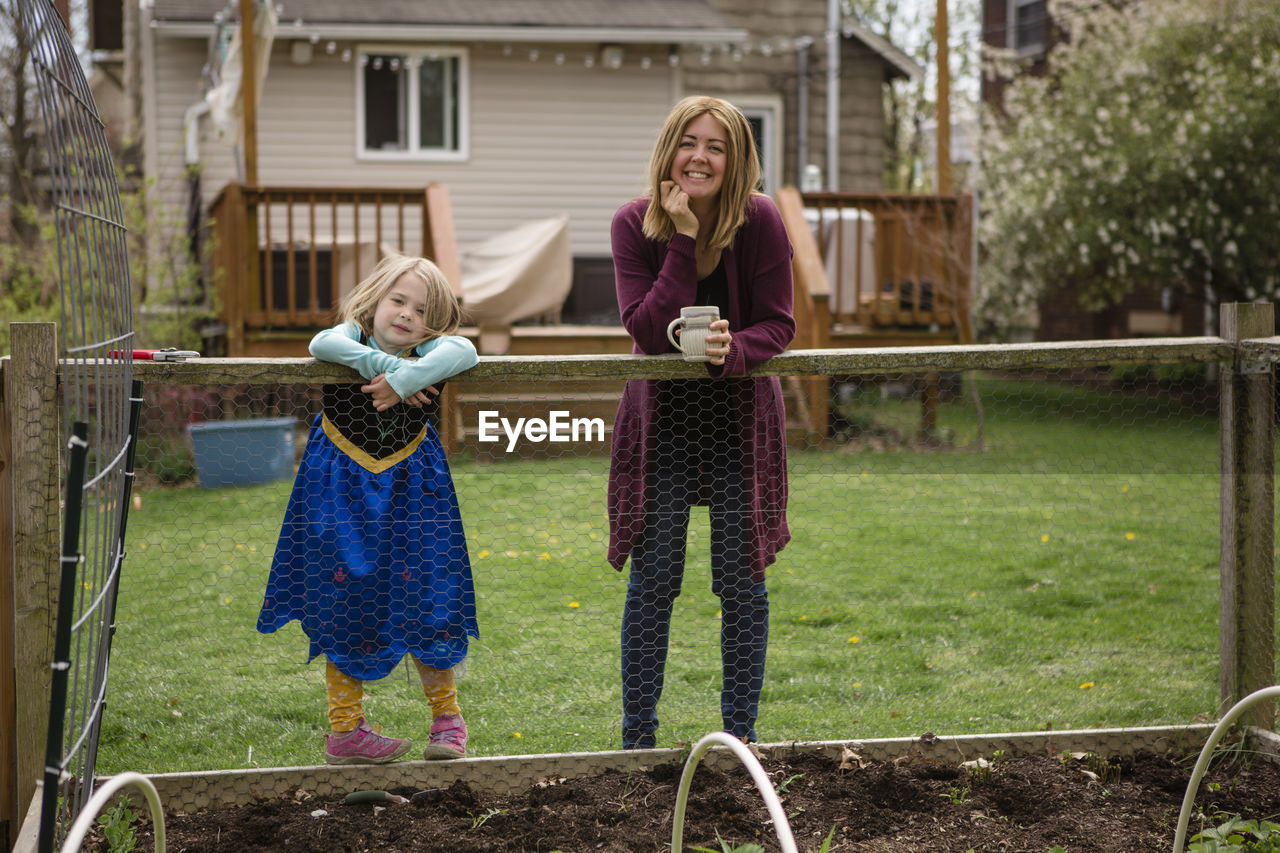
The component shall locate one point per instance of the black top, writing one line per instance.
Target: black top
(379, 434)
(714, 290)
(702, 411)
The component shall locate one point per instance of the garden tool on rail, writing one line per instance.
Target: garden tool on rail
(166, 354)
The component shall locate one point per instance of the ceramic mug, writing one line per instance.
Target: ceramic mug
(696, 321)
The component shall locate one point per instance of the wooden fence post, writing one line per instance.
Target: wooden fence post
(9, 813)
(229, 259)
(1247, 563)
(31, 402)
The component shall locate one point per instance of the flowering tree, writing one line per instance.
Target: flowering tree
(1148, 158)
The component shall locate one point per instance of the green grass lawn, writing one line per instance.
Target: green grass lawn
(1064, 576)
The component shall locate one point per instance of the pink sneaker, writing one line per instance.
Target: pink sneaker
(362, 745)
(448, 738)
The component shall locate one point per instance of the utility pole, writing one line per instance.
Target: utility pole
(940, 38)
(249, 92)
(249, 252)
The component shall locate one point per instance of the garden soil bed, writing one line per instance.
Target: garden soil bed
(1022, 803)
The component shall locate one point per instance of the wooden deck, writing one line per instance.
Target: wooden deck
(870, 270)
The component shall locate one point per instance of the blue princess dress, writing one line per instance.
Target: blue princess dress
(372, 558)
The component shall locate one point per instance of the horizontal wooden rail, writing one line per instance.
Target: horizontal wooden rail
(1056, 355)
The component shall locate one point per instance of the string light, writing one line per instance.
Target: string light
(610, 56)
(613, 59)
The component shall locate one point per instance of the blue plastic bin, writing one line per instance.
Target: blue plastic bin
(241, 453)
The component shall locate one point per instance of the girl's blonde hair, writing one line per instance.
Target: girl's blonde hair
(443, 313)
(742, 168)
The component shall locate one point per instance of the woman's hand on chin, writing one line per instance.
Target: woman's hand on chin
(675, 202)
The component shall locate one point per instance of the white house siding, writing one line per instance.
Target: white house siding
(862, 81)
(545, 139)
(175, 84)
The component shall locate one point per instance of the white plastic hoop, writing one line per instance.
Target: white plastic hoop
(780, 823)
(75, 837)
(1188, 799)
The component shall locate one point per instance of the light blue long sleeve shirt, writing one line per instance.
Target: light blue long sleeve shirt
(438, 358)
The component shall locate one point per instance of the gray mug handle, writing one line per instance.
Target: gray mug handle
(671, 329)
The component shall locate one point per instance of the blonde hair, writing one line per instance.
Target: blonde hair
(443, 313)
(742, 168)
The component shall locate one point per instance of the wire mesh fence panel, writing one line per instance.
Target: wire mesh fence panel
(977, 551)
(84, 218)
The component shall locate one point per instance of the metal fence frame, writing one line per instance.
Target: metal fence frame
(92, 273)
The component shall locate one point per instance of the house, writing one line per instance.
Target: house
(523, 109)
(1018, 35)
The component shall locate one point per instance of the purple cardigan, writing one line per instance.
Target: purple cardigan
(654, 281)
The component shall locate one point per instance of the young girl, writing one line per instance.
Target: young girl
(372, 559)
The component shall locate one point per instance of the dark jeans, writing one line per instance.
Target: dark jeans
(657, 569)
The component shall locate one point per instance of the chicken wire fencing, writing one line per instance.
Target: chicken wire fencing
(970, 551)
(76, 177)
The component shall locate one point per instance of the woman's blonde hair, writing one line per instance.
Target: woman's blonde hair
(742, 168)
(443, 313)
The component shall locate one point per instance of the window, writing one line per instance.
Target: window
(1028, 22)
(762, 112)
(412, 104)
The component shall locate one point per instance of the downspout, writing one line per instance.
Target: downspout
(802, 106)
(191, 132)
(195, 195)
(150, 145)
(833, 95)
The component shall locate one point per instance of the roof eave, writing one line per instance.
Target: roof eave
(898, 61)
(501, 34)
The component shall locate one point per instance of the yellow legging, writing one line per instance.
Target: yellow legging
(346, 694)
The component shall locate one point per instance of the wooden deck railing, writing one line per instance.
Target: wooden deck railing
(895, 259)
(811, 307)
(876, 261)
(287, 255)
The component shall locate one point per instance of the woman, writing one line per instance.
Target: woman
(702, 236)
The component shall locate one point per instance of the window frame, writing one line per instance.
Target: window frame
(768, 109)
(413, 55)
(1032, 49)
